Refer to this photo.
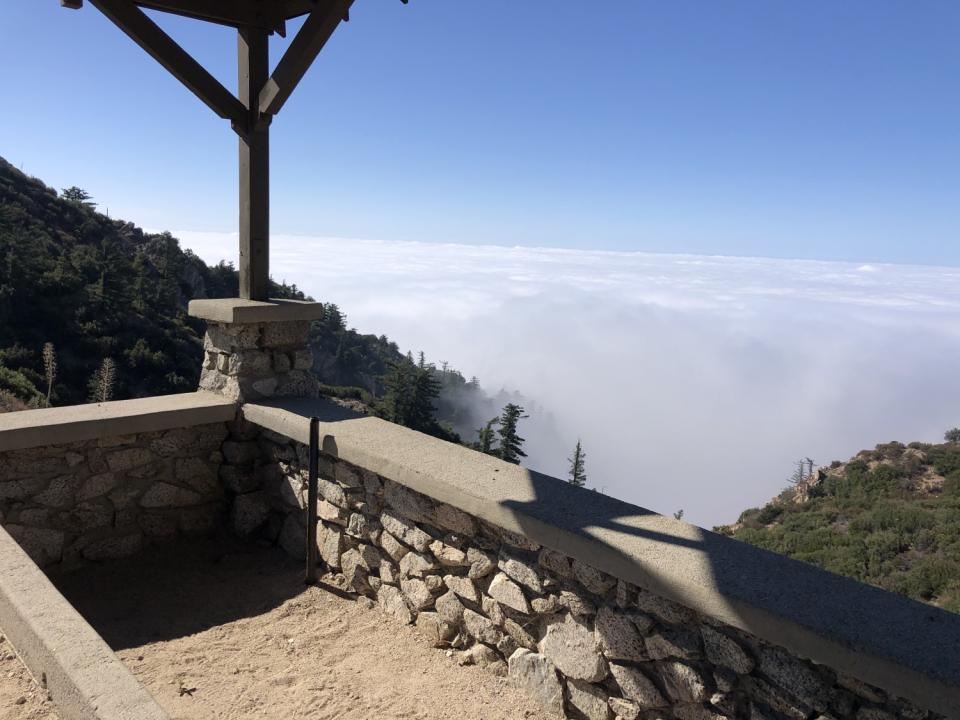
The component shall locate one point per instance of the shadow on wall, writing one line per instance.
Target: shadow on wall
(774, 597)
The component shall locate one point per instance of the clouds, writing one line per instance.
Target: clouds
(693, 381)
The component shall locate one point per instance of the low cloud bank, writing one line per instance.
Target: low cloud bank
(693, 382)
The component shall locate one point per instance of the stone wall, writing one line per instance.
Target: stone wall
(578, 641)
(106, 498)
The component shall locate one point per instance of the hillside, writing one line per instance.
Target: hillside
(889, 517)
(98, 288)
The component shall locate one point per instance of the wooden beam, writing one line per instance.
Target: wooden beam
(308, 43)
(143, 31)
(252, 71)
(235, 13)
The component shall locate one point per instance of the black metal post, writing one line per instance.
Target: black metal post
(311, 572)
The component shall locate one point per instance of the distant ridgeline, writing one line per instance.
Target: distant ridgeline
(109, 301)
(889, 517)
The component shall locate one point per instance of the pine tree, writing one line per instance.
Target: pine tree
(578, 474)
(78, 196)
(485, 437)
(511, 444)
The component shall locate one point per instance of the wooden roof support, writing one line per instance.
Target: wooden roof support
(308, 43)
(162, 48)
(261, 95)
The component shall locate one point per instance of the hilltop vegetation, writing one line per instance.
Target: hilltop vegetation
(109, 303)
(889, 517)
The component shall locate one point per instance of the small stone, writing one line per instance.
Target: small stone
(570, 645)
(463, 587)
(393, 603)
(617, 636)
(449, 608)
(128, 458)
(479, 655)
(330, 544)
(60, 492)
(697, 712)
(794, 676)
(417, 593)
(437, 632)
(589, 699)
(537, 677)
(407, 502)
(481, 563)
(97, 485)
(389, 573)
(638, 687)
(576, 603)
(240, 452)
(481, 627)
(726, 652)
(597, 582)
(456, 520)
(434, 583)
(546, 605)
(162, 495)
(492, 609)
(519, 634)
(302, 359)
(332, 513)
(679, 642)
(666, 610)
(331, 492)
(281, 361)
(870, 713)
(555, 562)
(405, 531)
(506, 592)
(249, 512)
(355, 570)
(683, 683)
(624, 709)
(448, 555)
(358, 526)
(416, 564)
(521, 571)
(393, 547)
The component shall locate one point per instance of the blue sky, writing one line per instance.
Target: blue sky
(819, 129)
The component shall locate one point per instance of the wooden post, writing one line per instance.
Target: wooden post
(254, 71)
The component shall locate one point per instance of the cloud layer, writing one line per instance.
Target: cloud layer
(693, 381)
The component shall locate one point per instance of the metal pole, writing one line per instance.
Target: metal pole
(311, 571)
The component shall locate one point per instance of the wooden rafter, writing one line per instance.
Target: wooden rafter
(235, 13)
(316, 30)
(143, 31)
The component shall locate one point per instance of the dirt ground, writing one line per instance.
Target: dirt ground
(20, 697)
(230, 632)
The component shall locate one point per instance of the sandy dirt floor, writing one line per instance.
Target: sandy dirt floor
(20, 697)
(217, 631)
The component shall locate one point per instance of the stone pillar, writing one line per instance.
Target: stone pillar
(257, 350)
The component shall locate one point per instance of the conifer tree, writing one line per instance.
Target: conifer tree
(578, 473)
(485, 437)
(511, 444)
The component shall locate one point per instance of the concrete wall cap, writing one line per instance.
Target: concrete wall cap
(238, 310)
(74, 423)
(902, 646)
(83, 676)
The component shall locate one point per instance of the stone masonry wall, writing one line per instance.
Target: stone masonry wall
(580, 642)
(106, 498)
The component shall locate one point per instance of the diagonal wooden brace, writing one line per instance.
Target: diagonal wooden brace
(143, 31)
(307, 44)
